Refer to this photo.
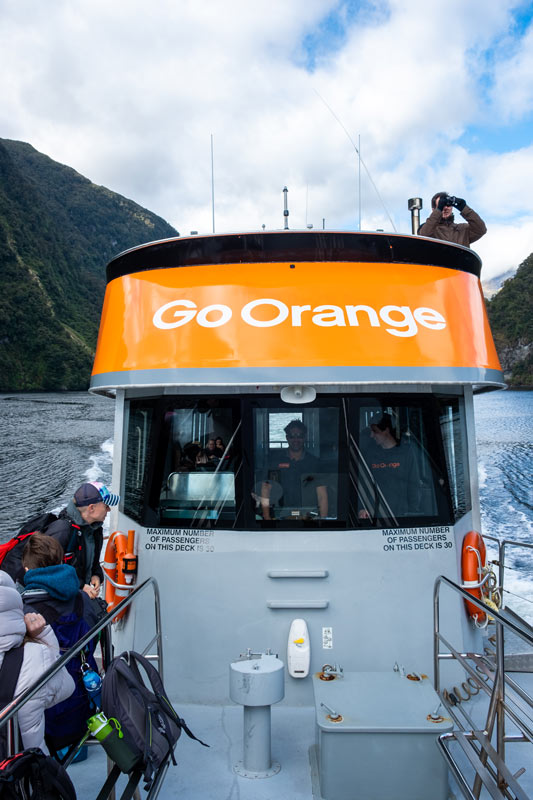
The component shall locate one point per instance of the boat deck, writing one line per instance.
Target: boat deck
(207, 774)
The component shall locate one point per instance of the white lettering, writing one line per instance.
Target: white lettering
(351, 312)
(225, 316)
(246, 313)
(406, 321)
(183, 316)
(401, 320)
(297, 315)
(328, 316)
(429, 318)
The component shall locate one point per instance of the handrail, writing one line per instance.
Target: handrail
(12, 708)
(475, 743)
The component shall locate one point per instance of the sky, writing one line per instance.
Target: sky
(160, 101)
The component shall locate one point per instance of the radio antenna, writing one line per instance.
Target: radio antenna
(361, 161)
(212, 184)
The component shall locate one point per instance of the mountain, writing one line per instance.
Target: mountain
(511, 317)
(494, 285)
(57, 232)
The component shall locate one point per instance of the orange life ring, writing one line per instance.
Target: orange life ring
(473, 559)
(113, 566)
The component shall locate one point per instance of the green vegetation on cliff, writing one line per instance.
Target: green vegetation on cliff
(57, 232)
(511, 318)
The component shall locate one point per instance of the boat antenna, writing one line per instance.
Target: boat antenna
(285, 209)
(361, 161)
(212, 184)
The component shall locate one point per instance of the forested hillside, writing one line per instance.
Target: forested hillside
(511, 318)
(57, 232)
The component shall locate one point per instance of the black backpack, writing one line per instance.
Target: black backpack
(11, 551)
(31, 775)
(150, 725)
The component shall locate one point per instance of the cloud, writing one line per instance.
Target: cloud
(129, 95)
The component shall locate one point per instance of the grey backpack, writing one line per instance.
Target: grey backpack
(150, 725)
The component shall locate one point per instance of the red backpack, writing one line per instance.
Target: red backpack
(11, 551)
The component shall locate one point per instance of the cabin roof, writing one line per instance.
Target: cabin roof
(276, 246)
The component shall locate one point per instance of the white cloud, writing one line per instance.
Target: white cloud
(129, 94)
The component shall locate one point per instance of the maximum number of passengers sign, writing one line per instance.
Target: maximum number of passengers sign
(412, 539)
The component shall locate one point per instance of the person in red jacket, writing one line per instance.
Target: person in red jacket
(441, 223)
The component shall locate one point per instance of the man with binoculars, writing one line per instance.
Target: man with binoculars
(441, 225)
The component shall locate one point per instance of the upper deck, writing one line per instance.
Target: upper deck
(269, 308)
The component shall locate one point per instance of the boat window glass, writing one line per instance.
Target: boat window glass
(297, 471)
(138, 456)
(198, 462)
(256, 463)
(396, 465)
(454, 443)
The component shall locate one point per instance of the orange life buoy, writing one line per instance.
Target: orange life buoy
(473, 560)
(113, 566)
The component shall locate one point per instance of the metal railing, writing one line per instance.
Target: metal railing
(509, 705)
(7, 714)
(501, 562)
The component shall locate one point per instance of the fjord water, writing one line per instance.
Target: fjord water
(50, 443)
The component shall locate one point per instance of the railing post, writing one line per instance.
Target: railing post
(436, 640)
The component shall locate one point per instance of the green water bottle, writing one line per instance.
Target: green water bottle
(99, 726)
(109, 734)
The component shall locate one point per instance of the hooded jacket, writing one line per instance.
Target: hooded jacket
(450, 231)
(57, 588)
(39, 655)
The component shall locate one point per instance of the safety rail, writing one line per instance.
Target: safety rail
(500, 562)
(509, 705)
(7, 714)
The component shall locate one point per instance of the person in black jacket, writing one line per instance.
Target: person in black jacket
(79, 531)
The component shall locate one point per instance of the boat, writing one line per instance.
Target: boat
(295, 453)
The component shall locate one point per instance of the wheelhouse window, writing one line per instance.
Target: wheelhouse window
(297, 472)
(398, 465)
(256, 463)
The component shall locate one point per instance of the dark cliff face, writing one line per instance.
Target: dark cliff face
(57, 232)
(511, 318)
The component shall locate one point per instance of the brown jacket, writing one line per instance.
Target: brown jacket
(463, 233)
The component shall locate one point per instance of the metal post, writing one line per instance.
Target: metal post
(414, 204)
(359, 178)
(257, 731)
(212, 184)
(285, 209)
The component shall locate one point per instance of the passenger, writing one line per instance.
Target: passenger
(41, 651)
(201, 461)
(51, 587)
(441, 225)
(52, 590)
(87, 510)
(297, 473)
(212, 453)
(224, 454)
(190, 452)
(395, 487)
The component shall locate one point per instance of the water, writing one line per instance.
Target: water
(504, 434)
(50, 443)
